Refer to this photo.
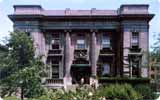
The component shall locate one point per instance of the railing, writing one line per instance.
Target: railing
(54, 81)
(56, 51)
(106, 51)
(80, 54)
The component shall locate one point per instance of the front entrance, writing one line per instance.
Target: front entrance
(80, 72)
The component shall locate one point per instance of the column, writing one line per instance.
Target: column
(93, 54)
(36, 36)
(67, 79)
(130, 68)
(93, 80)
(67, 55)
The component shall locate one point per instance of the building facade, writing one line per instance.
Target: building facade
(88, 44)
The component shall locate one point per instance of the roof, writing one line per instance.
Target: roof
(135, 5)
(78, 12)
(125, 11)
(14, 6)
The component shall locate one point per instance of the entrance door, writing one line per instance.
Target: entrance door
(80, 72)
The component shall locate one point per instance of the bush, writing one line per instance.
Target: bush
(119, 92)
(111, 92)
(11, 98)
(145, 91)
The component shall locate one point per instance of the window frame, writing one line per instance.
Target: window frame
(135, 35)
(106, 41)
(81, 45)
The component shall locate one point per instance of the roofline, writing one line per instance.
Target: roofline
(131, 16)
(39, 6)
(14, 17)
(147, 5)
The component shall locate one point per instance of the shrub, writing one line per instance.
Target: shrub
(145, 91)
(119, 92)
(11, 98)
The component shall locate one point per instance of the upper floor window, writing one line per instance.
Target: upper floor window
(81, 44)
(135, 39)
(106, 41)
(55, 41)
(55, 38)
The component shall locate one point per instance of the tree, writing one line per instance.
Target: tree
(155, 60)
(20, 68)
(156, 49)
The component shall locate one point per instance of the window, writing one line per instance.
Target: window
(106, 41)
(135, 39)
(81, 44)
(55, 68)
(106, 69)
(135, 68)
(55, 41)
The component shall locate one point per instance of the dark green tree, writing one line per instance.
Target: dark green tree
(155, 61)
(155, 53)
(20, 68)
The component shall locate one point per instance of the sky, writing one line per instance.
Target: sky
(6, 7)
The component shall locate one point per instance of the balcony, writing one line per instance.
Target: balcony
(106, 52)
(55, 53)
(80, 54)
(135, 49)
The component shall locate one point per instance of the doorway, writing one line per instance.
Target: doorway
(80, 72)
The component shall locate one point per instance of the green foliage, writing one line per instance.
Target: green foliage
(20, 66)
(113, 92)
(120, 92)
(11, 98)
(156, 48)
(81, 93)
(123, 80)
(145, 91)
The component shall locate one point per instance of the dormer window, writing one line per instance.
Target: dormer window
(135, 39)
(81, 44)
(106, 41)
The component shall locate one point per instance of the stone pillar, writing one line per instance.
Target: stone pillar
(67, 55)
(36, 36)
(93, 80)
(67, 78)
(93, 54)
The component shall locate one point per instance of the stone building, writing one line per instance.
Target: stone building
(88, 44)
